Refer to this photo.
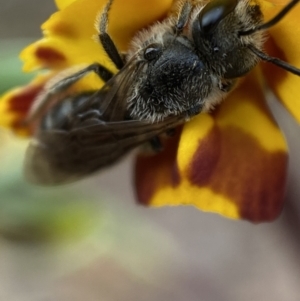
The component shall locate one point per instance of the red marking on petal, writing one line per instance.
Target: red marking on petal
(20, 104)
(246, 173)
(22, 101)
(153, 172)
(49, 55)
(205, 160)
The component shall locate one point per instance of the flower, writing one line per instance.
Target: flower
(232, 161)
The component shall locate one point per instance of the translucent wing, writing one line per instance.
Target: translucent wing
(59, 156)
(111, 100)
(57, 88)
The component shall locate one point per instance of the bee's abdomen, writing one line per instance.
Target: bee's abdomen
(62, 115)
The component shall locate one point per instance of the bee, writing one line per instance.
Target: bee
(172, 71)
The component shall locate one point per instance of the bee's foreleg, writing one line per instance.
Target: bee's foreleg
(43, 100)
(65, 83)
(106, 41)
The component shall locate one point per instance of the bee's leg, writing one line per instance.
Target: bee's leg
(225, 85)
(171, 132)
(65, 83)
(183, 17)
(195, 110)
(44, 99)
(156, 144)
(106, 41)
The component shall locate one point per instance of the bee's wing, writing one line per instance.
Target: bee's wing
(58, 157)
(56, 89)
(113, 102)
(61, 154)
(110, 100)
(45, 99)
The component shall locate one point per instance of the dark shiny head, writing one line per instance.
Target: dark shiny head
(213, 13)
(215, 31)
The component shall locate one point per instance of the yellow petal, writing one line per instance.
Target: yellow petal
(232, 162)
(70, 34)
(70, 41)
(285, 44)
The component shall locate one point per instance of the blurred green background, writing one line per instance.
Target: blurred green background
(90, 241)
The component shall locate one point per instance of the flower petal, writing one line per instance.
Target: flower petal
(285, 44)
(15, 104)
(69, 41)
(61, 4)
(232, 162)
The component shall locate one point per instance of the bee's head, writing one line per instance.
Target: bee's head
(216, 28)
(190, 62)
(173, 81)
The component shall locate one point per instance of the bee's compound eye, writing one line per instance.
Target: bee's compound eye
(214, 12)
(152, 52)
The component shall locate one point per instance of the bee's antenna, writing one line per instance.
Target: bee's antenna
(282, 64)
(263, 56)
(273, 21)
